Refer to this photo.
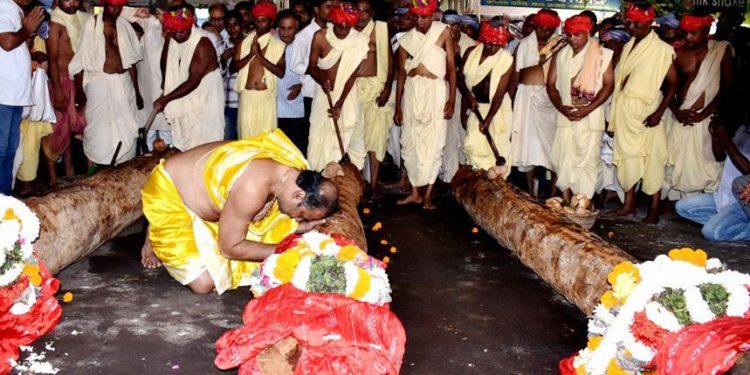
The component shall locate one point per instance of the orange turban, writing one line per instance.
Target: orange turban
(695, 23)
(635, 14)
(578, 24)
(344, 13)
(181, 19)
(547, 18)
(264, 9)
(424, 7)
(497, 35)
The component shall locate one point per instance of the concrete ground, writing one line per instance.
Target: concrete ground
(468, 306)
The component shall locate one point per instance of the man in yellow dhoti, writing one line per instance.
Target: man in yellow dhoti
(336, 55)
(534, 116)
(706, 70)
(193, 100)
(260, 61)
(217, 210)
(106, 58)
(645, 82)
(580, 80)
(374, 89)
(426, 59)
(487, 72)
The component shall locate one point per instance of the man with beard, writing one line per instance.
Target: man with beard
(193, 100)
(260, 61)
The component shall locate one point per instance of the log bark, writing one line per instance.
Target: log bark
(76, 220)
(574, 261)
(346, 221)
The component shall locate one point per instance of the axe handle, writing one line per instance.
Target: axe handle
(336, 125)
(499, 160)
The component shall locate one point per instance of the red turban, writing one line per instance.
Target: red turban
(344, 13)
(178, 20)
(695, 23)
(635, 14)
(547, 18)
(493, 35)
(424, 7)
(264, 9)
(578, 24)
(116, 3)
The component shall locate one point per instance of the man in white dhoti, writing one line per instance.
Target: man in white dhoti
(534, 116)
(193, 100)
(455, 132)
(580, 80)
(106, 57)
(705, 67)
(426, 60)
(645, 83)
(336, 56)
(487, 69)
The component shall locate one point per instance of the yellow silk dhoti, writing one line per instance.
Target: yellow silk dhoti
(378, 120)
(31, 141)
(188, 245)
(258, 113)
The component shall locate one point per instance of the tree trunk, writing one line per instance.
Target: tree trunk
(76, 220)
(573, 260)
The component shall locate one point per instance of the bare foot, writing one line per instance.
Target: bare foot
(148, 258)
(413, 198)
(622, 211)
(429, 206)
(651, 218)
(396, 185)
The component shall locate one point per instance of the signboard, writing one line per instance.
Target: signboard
(719, 5)
(600, 5)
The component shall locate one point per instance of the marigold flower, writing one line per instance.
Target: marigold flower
(348, 253)
(366, 211)
(32, 273)
(363, 284)
(386, 260)
(594, 342)
(393, 250)
(286, 264)
(611, 234)
(609, 300)
(624, 277)
(9, 215)
(377, 226)
(384, 242)
(581, 370)
(68, 297)
(475, 230)
(697, 257)
(615, 369)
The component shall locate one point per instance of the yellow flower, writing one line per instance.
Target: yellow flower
(697, 257)
(624, 278)
(594, 342)
(377, 226)
(363, 284)
(9, 215)
(286, 263)
(68, 297)
(348, 253)
(384, 242)
(386, 260)
(615, 369)
(394, 250)
(609, 300)
(325, 243)
(581, 370)
(366, 211)
(475, 230)
(32, 272)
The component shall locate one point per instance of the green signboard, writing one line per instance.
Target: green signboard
(602, 5)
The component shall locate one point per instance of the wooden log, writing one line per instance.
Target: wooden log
(351, 186)
(574, 261)
(76, 220)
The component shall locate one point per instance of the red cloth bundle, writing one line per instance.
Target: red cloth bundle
(578, 24)
(497, 35)
(547, 18)
(265, 9)
(344, 13)
(424, 7)
(635, 14)
(116, 3)
(695, 23)
(178, 20)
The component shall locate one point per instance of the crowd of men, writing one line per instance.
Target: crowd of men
(608, 108)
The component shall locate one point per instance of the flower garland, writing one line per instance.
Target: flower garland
(28, 308)
(651, 301)
(321, 263)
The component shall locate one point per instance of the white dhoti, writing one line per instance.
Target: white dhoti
(423, 133)
(455, 135)
(110, 118)
(534, 127)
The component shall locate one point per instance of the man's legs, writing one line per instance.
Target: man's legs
(374, 171)
(306, 123)
(230, 124)
(10, 121)
(652, 217)
(698, 208)
(731, 224)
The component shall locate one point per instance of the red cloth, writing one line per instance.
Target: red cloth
(344, 13)
(116, 3)
(265, 9)
(16, 330)
(424, 7)
(338, 335)
(179, 20)
(547, 18)
(70, 121)
(635, 14)
(565, 366)
(493, 35)
(578, 24)
(695, 23)
(709, 348)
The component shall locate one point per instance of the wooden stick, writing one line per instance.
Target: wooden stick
(499, 160)
(142, 136)
(344, 158)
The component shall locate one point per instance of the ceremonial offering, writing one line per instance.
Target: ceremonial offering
(320, 263)
(659, 312)
(28, 308)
